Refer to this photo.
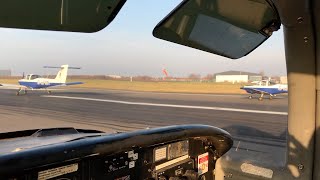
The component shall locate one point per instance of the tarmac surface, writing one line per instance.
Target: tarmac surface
(126, 111)
(258, 126)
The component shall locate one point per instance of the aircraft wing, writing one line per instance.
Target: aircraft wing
(11, 86)
(73, 83)
(253, 90)
(259, 91)
(66, 84)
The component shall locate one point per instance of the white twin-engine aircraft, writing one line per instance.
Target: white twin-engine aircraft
(33, 81)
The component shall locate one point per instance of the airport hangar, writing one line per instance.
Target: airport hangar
(237, 76)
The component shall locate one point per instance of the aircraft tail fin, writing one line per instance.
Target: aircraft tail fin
(62, 74)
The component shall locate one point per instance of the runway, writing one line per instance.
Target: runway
(126, 111)
(258, 127)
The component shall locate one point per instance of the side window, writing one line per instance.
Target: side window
(260, 131)
(34, 77)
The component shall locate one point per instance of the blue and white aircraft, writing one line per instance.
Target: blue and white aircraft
(36, 82)
(265, 87)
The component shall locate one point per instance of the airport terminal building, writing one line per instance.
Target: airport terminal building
(237, 76)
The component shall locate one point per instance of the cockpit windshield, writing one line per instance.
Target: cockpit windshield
(35, 76)
(32, 76)
(122, 79)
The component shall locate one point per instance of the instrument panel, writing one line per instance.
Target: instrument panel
(184, 158)
(173, 160)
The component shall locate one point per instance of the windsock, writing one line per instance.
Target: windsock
(164, 71)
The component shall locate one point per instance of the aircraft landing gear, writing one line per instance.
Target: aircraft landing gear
(270, 97)
(261, 97)
(18, 93)
(48, 91)
(250, 97)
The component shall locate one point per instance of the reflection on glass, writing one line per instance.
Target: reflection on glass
(178, 149)
(224, 37)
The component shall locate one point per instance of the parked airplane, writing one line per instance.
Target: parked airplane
(33, 81)
(265, 87)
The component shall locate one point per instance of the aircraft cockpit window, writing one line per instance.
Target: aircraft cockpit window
(272, 83)
(34, 77)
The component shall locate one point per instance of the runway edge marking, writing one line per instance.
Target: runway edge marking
(169, 105)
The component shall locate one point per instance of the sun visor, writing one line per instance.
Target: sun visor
(224, 27)
(59, 15)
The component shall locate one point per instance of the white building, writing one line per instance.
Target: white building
(237, 77)
(114, 76)
(232, 78)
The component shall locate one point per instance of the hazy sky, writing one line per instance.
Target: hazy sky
(127, 47)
